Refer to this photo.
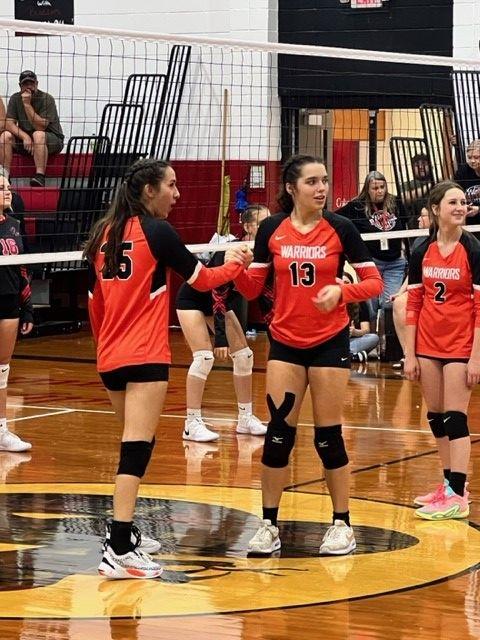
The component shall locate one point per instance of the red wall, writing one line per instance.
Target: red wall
(345, 172)
(195, 216)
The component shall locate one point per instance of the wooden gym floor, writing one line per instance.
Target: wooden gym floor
(408, 578)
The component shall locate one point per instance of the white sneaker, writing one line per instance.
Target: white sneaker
(134, 564)
(339, 540)
(11, 442)
(266, 539)
(138, 539)
(249, 423)
(198, 431)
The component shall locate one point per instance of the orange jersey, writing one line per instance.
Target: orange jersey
(129, 312)
(444, 297)
(302, 265)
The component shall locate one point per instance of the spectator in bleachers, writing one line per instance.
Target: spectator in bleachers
(374, 210)
(361, 340)
(468, 177)
(32, 127)
(422, 181)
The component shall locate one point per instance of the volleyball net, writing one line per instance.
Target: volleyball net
(226, 114)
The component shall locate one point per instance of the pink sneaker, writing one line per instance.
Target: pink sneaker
(433, 496)
(450, 507)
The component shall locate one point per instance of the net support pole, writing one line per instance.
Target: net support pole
(223, 224)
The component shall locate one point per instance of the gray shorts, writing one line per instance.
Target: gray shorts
(54, 144)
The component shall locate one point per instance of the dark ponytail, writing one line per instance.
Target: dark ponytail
(291, 172)
(127, 204)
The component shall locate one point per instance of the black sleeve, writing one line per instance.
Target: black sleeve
(261, 252)
(472, 248)
(354, 247)
(416, 260)
(167, 247)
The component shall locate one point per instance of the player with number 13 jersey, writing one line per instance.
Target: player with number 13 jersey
(303, 264)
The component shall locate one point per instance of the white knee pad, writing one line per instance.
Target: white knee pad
(4, 371)
(202, 364)
(243, 362)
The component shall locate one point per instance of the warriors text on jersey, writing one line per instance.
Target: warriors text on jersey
(129, 312)
(303, 264)
(444, 297)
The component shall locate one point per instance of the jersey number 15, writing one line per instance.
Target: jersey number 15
(125, 267)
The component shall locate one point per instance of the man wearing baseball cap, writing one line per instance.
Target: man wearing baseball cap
(32, 127)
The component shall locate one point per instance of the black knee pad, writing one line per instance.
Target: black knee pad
(455, 423)
(330, 446)
(280, 436)
(134, 458)
(435, 420)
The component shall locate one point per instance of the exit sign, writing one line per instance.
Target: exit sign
(366, 4)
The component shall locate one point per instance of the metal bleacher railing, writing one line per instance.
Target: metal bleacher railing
(142, 125)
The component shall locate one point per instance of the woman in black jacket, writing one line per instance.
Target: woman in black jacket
(374, 210)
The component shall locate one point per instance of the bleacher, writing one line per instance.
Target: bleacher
(82, 180)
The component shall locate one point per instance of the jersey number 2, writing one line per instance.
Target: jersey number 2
(441, 289)
(125, 264)
(303, 274)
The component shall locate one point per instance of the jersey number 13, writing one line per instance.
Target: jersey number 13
(302, 274)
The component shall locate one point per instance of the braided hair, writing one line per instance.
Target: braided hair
(127, 204)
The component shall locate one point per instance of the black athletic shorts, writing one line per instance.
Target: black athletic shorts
(118, 379)
(335, 352)
(189, 299)
(9, 307)
(443, 361)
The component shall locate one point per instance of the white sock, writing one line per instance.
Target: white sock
(244, 408)
(3, 425)
(193, 413)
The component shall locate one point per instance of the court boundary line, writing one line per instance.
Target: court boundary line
(41, 415)
(60, 410)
